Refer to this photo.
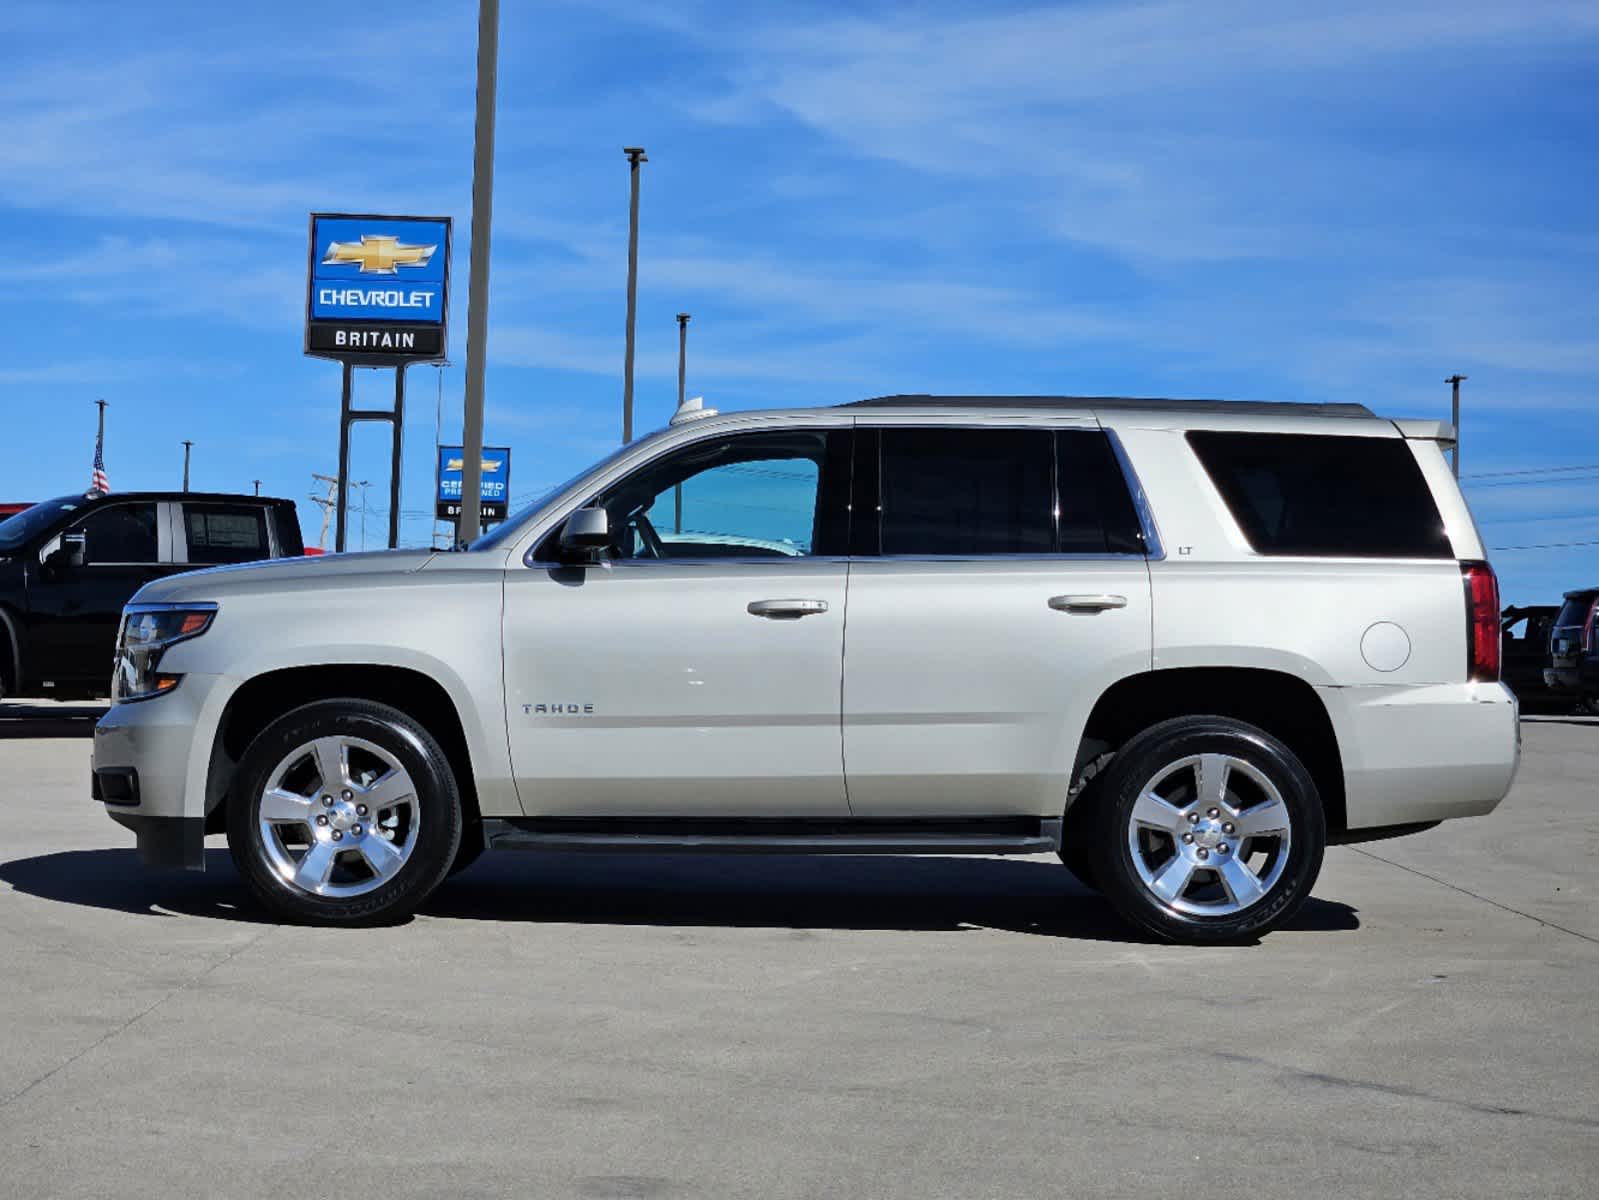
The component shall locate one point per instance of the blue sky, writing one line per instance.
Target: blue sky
(1253, 200)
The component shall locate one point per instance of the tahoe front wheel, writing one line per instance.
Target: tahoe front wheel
(344, 812)
(1209, 830)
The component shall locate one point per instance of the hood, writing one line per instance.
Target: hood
(285, 575)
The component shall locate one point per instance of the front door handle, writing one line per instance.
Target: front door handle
(1095, 603)
(786, 609)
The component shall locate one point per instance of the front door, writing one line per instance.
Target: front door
(73, 611)
(695, 672)
(1006, 588)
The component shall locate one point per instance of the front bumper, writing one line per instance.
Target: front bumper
(154, 742)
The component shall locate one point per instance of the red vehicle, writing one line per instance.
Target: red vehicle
(11, 510)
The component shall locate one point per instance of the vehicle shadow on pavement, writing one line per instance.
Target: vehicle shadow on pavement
(802, 892)
(742, 891)
(48, 721)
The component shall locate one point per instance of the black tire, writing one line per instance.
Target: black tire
(1140, 762)
(438, 809)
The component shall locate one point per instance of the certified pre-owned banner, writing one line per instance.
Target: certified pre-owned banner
(377, 288)
(495, 491)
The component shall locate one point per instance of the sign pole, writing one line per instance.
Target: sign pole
(342, 491)
(394, 458)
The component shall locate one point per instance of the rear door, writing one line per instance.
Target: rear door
(1000, 589)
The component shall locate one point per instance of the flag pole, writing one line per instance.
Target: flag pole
(99, 450)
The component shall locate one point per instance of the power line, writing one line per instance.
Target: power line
(1572, 478)
(1531, 471)
(1546, 546)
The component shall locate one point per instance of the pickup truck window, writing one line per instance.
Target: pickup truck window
(22, 528)
(225, 533)
(120, 533)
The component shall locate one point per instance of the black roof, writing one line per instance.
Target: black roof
(1122, 403)
(227, 497)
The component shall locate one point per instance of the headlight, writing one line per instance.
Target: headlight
(147, 631)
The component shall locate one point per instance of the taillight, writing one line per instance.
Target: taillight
(1482, 622)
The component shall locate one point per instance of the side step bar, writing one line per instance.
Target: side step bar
(654, 836)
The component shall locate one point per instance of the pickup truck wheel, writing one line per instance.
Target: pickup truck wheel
(344, 812)
(1209, 830)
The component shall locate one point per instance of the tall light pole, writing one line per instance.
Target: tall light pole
(477, 310)
(187, 446)
(682, 376)
(1454, 419)
(635, 156)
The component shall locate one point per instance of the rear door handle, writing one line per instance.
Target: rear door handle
(1094, 603)
(786, 609)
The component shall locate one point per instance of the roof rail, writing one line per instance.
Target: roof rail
(1123, 403)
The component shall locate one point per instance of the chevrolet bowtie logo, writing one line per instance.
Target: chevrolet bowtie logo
(378, 254)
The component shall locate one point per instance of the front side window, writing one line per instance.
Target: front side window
(122, 533)
(754, 495)
(220, 533)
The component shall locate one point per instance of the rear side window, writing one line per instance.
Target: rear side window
(1096, 512)
(220, 533)
(1315, 495)
(1574, 612)
(965, 492)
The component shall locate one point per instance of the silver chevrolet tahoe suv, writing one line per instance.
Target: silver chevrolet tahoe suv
(1183, 644)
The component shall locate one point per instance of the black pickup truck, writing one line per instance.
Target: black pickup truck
(67, 566)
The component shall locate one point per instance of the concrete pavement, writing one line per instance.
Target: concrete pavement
(596, 1026)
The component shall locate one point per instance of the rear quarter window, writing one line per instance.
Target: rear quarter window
(1324, 495)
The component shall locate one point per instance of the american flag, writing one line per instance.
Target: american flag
(99, 482)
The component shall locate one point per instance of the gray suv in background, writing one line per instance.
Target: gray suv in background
(1185, 645)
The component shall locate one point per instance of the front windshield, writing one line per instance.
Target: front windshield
(511, 528)
(24, 526)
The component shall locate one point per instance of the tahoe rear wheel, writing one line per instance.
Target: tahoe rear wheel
(344, 812)
(1208, 830)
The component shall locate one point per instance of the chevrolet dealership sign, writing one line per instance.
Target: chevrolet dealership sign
(378, 288)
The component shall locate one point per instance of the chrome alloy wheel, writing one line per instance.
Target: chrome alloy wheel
(1209, 835)
(338, 817)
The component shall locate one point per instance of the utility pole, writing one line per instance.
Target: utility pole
(363, 484)
(257, 487)
(326, 503)
(682, 376)
(1454, 419)
(477, 310)
(635, 156)
(187, 446)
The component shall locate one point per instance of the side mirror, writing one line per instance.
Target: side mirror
(587, 532)
(67, 550)
(74, 549)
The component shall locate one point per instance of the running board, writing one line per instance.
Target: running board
(654, 836)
